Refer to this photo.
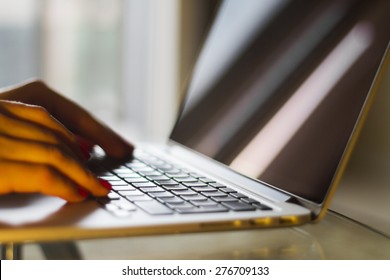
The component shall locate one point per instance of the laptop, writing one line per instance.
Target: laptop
(276, 100)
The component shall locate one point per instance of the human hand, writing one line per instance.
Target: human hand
(39, 151)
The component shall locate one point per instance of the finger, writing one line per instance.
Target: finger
(52, 155)
(73, 117)
(86, 146)
(41, 179)
(35, 123)
(83, 124)
(14, 127)
(38, 115)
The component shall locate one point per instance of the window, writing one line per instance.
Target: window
(118, 59)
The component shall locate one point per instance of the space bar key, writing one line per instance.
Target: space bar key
(153, 207)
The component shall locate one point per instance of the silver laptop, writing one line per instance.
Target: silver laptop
(276, 100)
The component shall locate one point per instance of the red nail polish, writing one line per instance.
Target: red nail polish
(85, 146)
(105, 184)
(86, 154)
(83, 193)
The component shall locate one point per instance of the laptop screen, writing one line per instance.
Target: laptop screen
(279, 85)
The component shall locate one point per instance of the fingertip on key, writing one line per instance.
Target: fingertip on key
(105, 184)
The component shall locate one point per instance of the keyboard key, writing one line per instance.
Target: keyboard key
(166, 167)
(169, 183)
(214, 194)
(154, 161)
(110, 178)
(123, 188)
(224, 199)
(113, 195)
(122, 170)
(103, 200)
(178, 175)
(238, 195)
(184, 192)
(175, 188)
(195, 197)
(158, 178)
(186, 180)
(131, 192)
(138, 167)
(173, 172)
(217, 185)
(135, 164)
(117, 208)
(150, 173)
(228, 190)
(161, 194)
(250, 200)
(152, 190)
(207, 202)
(194, 185)
(124, 204)
(206, 180)
(111, 207)
(238, 206)
(134, 198)
(133, 180)
(198, 210)
(143, 169)
(204, 189)
(177, 206)
(171, 200)
(144, 185)
(154, 207)
(118, 183)
(129, 175)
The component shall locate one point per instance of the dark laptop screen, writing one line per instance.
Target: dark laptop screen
(279, 85)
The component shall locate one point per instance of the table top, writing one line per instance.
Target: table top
(335, 237)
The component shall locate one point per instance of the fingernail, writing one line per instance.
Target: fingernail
(86, 153)
(84, 143)
(85, 146)
(83, 193)
(105, 184)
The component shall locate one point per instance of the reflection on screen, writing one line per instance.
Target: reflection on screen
(283, 109)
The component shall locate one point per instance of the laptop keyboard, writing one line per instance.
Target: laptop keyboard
(160, 188)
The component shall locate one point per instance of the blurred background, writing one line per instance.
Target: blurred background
(125, 61)
(128, 63)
